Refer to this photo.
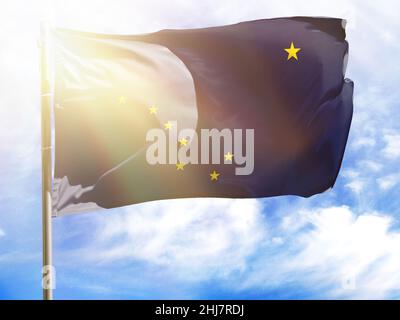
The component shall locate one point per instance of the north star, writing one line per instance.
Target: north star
(172, 310)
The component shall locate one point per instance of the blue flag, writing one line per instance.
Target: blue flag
(255, 109)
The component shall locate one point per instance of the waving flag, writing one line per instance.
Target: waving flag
(255, 109)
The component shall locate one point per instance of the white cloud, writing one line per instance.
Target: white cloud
(371, 165)
(350, 173)
(392, 148)
(388, 182)
(336, 247)
(2, 233)
(356, 185)
(201, 236)
(321, 250)
(363, 142)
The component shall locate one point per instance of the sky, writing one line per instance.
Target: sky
(342, 244)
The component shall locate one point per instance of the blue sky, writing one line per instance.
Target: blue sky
(344, 243)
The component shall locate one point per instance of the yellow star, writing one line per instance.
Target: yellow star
(122, 100)
(179, 166)
(183, 142)
(214, 175)
(292, 51)
(168, 125)
(228, 156)
(153, 110)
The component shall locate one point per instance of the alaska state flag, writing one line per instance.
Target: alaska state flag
(276, 88)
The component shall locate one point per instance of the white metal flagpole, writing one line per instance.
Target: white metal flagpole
(48, 270)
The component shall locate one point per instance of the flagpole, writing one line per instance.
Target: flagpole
(47, 271)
